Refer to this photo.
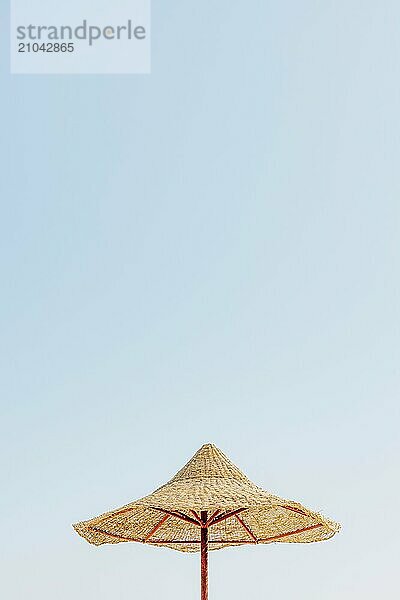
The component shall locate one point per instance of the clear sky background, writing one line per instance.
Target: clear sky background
(206, 254)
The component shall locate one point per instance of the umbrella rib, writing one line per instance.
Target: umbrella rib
(177, 514)
(296, 510)
(212, 517)
(243, 524)
(185, 517)
(196, 516)
(115, 514)
(114, 535)
(198, 542)
(226, 516)
(282, 535)
(152, 532)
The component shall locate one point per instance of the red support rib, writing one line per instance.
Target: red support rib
(226, 516)
(282, 535)
(196, 516)
(296, 510)
(198, 541)
(114, 535)
(115, 514)
(157, 527)
(178, 515)
(212, 517)
(243, 524)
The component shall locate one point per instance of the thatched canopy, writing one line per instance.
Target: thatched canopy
(237, 512)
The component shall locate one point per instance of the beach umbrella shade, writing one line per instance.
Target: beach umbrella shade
(209, 504)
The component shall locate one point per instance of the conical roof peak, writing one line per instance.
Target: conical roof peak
(209, 462)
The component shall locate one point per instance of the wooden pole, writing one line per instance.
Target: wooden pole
(204, 557)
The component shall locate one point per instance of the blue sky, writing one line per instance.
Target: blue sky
(206, 254)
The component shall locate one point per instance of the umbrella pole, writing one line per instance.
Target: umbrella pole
(204, 557)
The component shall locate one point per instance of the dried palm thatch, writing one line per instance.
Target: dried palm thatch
(209, 501)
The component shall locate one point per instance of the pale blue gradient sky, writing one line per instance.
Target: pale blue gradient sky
(208, 253)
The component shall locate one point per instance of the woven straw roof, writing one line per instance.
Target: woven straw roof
(238, 512)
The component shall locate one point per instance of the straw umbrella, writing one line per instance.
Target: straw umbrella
(209, 504)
